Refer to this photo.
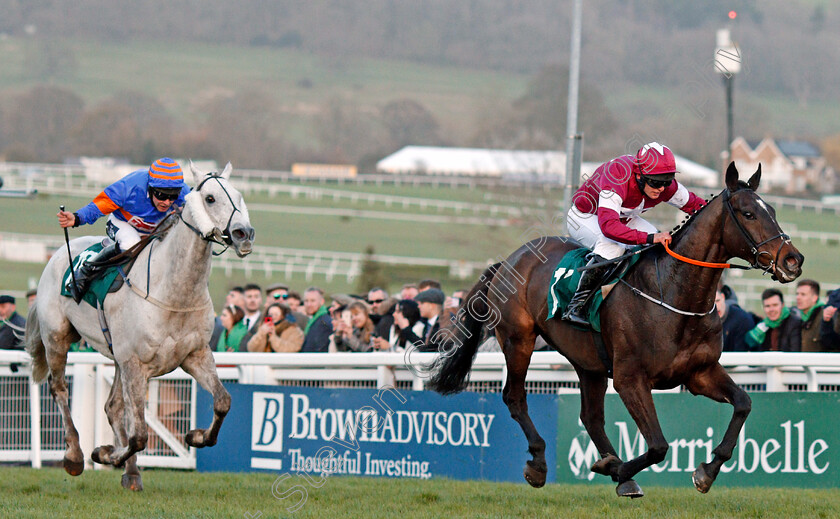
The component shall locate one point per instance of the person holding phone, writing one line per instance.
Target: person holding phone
(356, 335)
(276, 333)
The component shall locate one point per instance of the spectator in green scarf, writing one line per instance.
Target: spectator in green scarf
(809, 309)
(780, 330)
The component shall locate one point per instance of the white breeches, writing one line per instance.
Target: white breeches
(584, 228)
(122, 233)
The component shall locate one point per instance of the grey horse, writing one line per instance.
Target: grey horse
(163, 320)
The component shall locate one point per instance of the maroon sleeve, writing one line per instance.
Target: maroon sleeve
(614, 229)
(694, 203)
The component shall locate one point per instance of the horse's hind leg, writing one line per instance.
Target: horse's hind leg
(74, 459)
(201, 365)
(593, 387)
(115, 411)
(716, 384)
(518, 351)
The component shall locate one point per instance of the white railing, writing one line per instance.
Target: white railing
(31, 429)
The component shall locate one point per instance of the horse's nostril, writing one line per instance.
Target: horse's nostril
(239, 235)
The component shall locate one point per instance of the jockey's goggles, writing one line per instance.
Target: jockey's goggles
(164, 196)
(655, 183)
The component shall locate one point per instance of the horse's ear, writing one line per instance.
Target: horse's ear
(197, 175)
(755, 179)
(227, 171)
(732, 177)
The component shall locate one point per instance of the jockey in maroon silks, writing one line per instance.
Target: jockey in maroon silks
(606, 214)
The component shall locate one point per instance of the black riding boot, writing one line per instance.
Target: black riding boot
(578, 308)
(85, 273)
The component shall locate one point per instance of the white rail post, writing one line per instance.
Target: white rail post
(83, 413)
(35, 422)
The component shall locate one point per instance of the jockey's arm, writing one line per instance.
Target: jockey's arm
(685, 200)
(106, 202)
(609, 205)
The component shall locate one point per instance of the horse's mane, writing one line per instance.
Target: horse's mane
(166, 225)
(679, 229)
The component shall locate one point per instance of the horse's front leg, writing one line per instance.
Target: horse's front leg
(634, 390)
(134, 385)
(593, 387)
(201, 365)
(716, 384)
(115, 411)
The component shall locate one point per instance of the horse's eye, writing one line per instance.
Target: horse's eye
(748, 215)
(209, 199)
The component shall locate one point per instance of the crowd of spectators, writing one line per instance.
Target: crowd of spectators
(810, 325)
(278, 319)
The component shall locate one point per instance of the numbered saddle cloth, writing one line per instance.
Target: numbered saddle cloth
(565, 280)
(100, 281)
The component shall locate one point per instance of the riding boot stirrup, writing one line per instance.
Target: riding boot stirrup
(87, 271)
(577, 310)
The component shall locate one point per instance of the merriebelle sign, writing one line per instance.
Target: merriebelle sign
(789, 440)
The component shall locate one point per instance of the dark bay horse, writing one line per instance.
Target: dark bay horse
(669, 338)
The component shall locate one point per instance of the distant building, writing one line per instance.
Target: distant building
(544, 166)
(786, 166)
(435, 160)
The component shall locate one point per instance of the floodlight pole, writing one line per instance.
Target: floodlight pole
(574, 141)
(727, 63)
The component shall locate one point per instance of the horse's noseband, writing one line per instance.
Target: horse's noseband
(754, 247)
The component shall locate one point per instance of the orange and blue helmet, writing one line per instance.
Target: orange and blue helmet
(165, 175)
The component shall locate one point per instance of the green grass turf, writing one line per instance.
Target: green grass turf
(173, 494)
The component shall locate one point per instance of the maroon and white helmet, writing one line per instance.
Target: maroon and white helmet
(655, 159)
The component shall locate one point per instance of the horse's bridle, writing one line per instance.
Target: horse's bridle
(222, 237)
(754, 247)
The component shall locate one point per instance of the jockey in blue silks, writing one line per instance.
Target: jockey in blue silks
(136, 204)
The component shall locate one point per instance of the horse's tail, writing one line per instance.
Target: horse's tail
(449, 371)
(35, 346)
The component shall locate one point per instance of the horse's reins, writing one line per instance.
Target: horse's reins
(753, 249)
(753, 246)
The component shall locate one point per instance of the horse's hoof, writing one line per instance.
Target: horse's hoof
(132, 482)
(606, 465)
(629, 489)
(74, 468)
(195, 438)
(702, 480)
(534, 476)
(102, 455)
(198, 438)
